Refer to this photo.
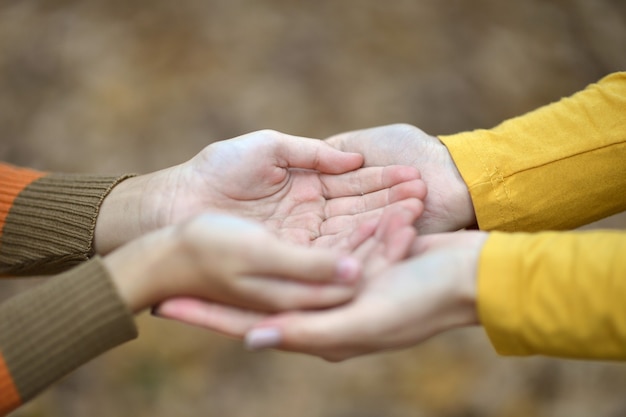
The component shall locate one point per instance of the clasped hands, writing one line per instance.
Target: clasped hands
(300, 244)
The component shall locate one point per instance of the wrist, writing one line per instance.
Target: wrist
(459, 196)
(144, 269)
(463, 254)
(133, 208)
(467, 279)
(117, 223)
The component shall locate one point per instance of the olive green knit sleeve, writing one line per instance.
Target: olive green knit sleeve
(49, 331)
(49, 225)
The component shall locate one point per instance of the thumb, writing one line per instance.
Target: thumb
(342, 140)
(228, 320)
(296, 331)
(306, 153)
(326, 334)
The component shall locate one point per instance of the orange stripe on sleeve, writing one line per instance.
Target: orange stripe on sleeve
(9, 396)
(12, 181)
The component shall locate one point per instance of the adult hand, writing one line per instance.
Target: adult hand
(448, 205)
(231, 261)
(400, 305)
(302, 189)
(380, 242)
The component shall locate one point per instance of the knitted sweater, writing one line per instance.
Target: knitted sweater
(46, 226)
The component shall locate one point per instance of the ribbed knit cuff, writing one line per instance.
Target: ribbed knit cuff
(47, 332)
(51, 224)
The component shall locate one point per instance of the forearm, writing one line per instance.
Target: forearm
(149, 270)
(125, 214)
(558, 294)
(558, 167)
(47, 332)
(48, 222)
(146, 203)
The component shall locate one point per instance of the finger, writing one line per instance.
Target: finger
(332, 334)
(368, 250)
(347, 241)
(399, 244)
(346, 223)
(340, 140)
(392, 220)
(305, 153)
(227, 320)
(374, 200)
(390, 242)
(396, 233)
(361, 234)
(366, 180)
(272, 295)
(284, 260)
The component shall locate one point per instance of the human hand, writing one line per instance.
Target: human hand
(379, 241)
(231, 261)
(448, 205)
(302, 189)
(399, 306)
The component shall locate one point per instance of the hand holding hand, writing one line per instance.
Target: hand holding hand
(448, 206)
(302, 189)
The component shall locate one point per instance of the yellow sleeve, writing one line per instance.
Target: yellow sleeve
(556, 168)
(557, 294)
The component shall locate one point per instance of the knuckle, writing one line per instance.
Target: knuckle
(269, 135)
(403, 126)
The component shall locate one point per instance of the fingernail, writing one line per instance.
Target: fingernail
(348, 269)
(164, 310)
(262, 338)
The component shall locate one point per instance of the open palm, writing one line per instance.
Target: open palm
(302, 189)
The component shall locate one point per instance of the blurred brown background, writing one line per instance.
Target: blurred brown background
(118, 86)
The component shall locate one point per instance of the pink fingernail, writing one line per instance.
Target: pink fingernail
(262, 338)
(348, 269)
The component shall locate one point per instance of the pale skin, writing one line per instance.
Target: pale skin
(448, 206)
(296, 189)
(401, 303)
(231, 261)
(375, 244)
(301, 189)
